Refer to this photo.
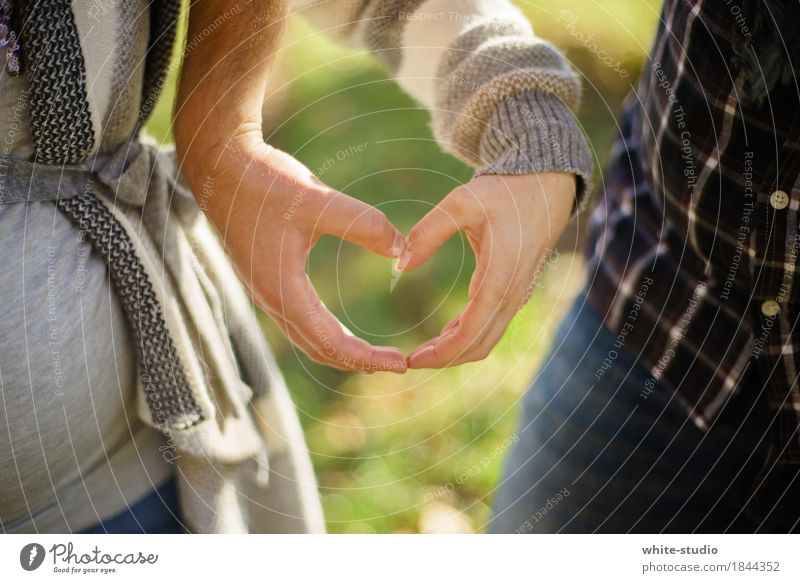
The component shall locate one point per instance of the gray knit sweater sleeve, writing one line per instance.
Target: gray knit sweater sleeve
(500, 98)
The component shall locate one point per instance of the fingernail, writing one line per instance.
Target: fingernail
(397, 245)
(402, 263)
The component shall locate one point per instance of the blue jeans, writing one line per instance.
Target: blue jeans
(602, 448)
(156, 513)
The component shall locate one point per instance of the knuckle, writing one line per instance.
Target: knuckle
(372, 357)
(477, 354)
(461, 201)
(435, 354)
(463, 339)
(418, 233)
(483, 352)
(375, 224)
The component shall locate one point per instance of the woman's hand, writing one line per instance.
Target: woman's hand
(270, 211)
(511, 221)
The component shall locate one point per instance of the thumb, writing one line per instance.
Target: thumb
(357, 222)
(436, 227)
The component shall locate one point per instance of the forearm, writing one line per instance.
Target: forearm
(224, 74)
(500, 98)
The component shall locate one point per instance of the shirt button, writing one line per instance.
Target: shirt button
(770, 308)
(779, 199)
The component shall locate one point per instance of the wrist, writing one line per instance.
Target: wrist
(205, 143)
(548, 197)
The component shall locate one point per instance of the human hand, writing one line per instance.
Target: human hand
(270, 211)
(510, 222)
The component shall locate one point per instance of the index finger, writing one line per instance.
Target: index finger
(305, 312)
(480, 315)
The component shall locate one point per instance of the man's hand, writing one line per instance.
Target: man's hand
(510, 222)
(269, 209)
(280, 211)
(274, 213)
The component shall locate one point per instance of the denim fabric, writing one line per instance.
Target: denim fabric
(156, 513)
(603, 448)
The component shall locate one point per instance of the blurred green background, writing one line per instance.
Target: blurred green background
(421, 452)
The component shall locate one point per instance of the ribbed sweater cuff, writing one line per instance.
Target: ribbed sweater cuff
(534, 132)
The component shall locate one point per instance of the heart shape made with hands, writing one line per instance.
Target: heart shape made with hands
(511, 223)
(281, 209)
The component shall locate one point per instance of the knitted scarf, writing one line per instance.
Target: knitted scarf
(207, 379)
(62, 130)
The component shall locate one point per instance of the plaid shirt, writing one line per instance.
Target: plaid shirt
(694, 242)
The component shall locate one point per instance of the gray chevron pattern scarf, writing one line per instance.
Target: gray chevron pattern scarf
(62, 130)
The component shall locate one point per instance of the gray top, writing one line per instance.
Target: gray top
(67, 380)
(72, 449)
